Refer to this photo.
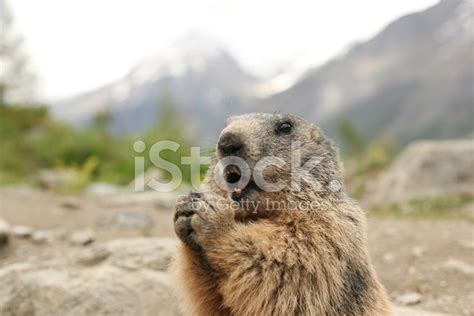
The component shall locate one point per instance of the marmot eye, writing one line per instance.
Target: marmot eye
(285, 128)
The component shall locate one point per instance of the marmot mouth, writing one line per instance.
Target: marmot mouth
(241, 186)
(232, 174)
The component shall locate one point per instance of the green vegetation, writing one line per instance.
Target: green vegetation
(77, 177)
(30, 140)
(171, 125)
(363, 161)
(440, 207)
(352, 140)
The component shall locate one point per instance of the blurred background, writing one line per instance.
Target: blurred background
(81, 81)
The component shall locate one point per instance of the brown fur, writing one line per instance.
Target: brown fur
(285, 262)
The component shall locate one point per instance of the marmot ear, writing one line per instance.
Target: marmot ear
(316, 135)
(229, 120)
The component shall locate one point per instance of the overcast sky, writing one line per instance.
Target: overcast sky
(78, 45)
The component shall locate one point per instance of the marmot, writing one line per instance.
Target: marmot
(272, 260)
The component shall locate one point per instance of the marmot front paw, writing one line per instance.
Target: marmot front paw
(184, 211)
(200, 217)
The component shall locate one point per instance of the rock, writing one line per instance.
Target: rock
(131, 253)
(59, 233)
(160, 199)
(82, 238)
(28, 289)
(54, 179)
(22, 231)
(418, 251)
(427, 169)
(102, 188)
(93, 255)
(43, 236)
(140, 183)
(410, 298)
(388, 257)
(468, 244)
(4, 232)
(121, 277)
(129, 219)
(132, 219)
(407, 311)
(458, 265)
(140, 253)
(70, 202)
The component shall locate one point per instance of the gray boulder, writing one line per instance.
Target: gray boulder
(54, 179)
(102, 188)
(132, 253)
(130, 219)
(120, 277)
(82, 237)
(140, 183)
(101, 290)
(427, 169)
(408, 311)
(21, 231)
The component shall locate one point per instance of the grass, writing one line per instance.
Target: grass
(435, 208)
(31, 140)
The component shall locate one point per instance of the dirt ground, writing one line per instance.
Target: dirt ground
(434, 258)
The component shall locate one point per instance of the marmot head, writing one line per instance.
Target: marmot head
(267, 156)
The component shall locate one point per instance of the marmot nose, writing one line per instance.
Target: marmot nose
(229, 144)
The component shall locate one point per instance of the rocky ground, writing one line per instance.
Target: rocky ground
(108, 254)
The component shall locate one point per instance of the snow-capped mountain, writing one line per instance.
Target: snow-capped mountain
(196, 74)
(412, 80)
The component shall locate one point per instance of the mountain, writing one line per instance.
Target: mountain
(412, 80)
(196, 74)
